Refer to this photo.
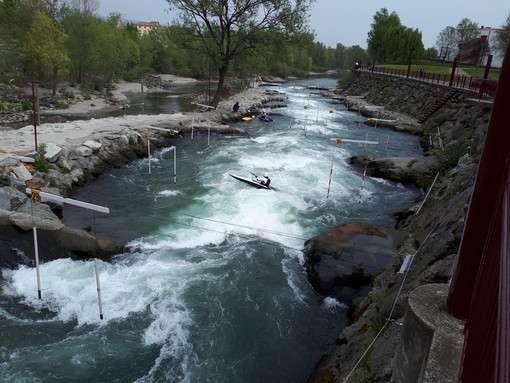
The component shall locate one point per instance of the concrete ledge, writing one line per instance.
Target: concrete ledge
(432, 340)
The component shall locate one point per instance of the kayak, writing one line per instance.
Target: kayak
(250, 181)
(265, 119)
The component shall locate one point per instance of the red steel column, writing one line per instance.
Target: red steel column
(495, 154)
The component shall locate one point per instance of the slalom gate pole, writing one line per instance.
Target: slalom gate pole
(362, 184)
(330, 174)
(208, 134)
(387, 143)
(98, 284)
(175, 164)
(37, 272)
(149, 153)
(192, 124)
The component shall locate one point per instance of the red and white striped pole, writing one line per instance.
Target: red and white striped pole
(330, 174)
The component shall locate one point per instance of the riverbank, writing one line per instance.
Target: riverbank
(368, 349)
(78, 151)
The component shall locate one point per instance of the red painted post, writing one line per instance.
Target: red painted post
(487, 67)
(34, 108)
(454, 68)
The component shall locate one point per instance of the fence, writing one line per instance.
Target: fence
(485, 88)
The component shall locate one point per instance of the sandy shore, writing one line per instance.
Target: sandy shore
(74, 133)
(100, 104)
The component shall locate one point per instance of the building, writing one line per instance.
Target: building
(145, 27)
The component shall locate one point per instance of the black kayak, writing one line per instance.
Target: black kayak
(250, 181)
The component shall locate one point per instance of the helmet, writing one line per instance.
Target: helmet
(266, 175)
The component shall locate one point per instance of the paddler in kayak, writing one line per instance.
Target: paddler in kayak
(264, 180)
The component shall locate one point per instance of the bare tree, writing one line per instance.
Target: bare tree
(446, 43)
(502, 38)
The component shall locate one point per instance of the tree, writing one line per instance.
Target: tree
(379, 43)
(446, 43)
(44, 50)
(466, 30)
(390, 40)
(81, 27)
(223, 30)
(431, 53)
(502, 38)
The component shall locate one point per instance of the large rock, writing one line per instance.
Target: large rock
(32, 214)
(346, 256)
(52, 152)
(22, 172)
(406, 170)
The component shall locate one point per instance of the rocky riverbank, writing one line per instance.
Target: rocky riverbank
(452, 140)
(77, 152)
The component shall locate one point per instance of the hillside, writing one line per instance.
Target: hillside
(454, 137)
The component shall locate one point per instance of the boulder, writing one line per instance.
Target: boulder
(94, 145)
(345, 257)
(22, 172)
(32, 214)
(83, 151)
(52, 152)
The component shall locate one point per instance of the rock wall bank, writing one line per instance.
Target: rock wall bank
(433, 227)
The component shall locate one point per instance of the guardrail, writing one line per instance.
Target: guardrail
(485, 88)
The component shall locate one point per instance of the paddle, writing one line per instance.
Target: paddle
(253, 174)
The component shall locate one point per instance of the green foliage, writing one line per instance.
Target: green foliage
(242, 30)
(449, 157)
(62, 105)
(40, 163)
(27, 105)
(390, 40)
(67, 94)
(380, 296)
(131, 141)
(44, 51)
(4, 180)
(356, 302)
(65, 170)
(441, 118)
(376, 325)
(412, 162)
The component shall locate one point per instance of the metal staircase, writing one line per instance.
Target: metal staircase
(440, 104)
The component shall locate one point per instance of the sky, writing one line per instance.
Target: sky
(348, 22)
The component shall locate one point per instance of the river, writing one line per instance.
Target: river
(213, 289)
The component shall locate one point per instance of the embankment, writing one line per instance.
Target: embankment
(453, 137)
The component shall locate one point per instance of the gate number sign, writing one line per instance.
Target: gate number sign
(36, 197)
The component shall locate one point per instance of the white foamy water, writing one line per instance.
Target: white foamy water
(214, 288)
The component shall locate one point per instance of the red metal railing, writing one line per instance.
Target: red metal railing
(484, 88)
(480, 287)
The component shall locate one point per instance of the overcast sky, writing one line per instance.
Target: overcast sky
(348, 22)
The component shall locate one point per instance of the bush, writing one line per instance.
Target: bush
(62, 105)
(40, 163)
(4, 180)
(67, 94)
